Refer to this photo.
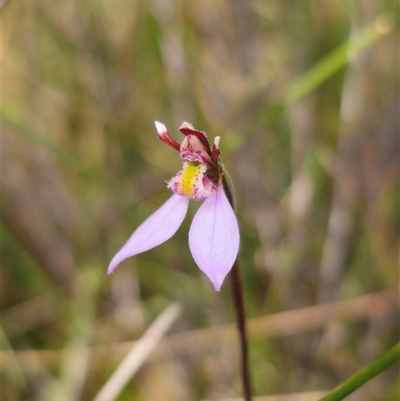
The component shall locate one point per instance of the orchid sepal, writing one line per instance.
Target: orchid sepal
(155, 230)
(214, 237)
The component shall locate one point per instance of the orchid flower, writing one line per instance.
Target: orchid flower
(214, 232)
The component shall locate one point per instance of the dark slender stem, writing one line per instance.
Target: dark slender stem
(238, 301)
(237, 295)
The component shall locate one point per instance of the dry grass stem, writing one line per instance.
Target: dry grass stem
(372, 306)
(306, 396)
(139, 353)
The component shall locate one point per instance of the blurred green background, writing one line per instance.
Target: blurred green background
(305, 97)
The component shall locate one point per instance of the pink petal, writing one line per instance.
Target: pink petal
(158, 228)
(214, 237)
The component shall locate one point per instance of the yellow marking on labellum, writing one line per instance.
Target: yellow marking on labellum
(190, 174)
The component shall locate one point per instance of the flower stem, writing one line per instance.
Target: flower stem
(237, 295)
(238, 301)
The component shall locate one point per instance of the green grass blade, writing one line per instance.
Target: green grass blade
(368, 372)
(337, 59)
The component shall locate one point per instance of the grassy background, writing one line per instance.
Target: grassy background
(304, 95)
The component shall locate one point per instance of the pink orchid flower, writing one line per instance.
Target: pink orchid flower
(214, 233)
